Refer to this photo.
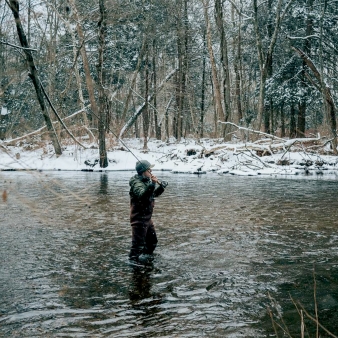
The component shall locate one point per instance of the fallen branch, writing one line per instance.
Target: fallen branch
(257, 158)
(251, 130)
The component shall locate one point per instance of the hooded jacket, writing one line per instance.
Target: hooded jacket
(142, 194)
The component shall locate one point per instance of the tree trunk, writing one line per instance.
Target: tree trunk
(167, 132)
(185, 65)
(307, 50)
(301, 119)
(224, 60)
(282, 121)
(145, 113)
(182, 41)
(201, 122)
(237, 52)
(157, 124)
(101, 79)
(14, 6)
(268, 108)
(293, 131)
(216, 87)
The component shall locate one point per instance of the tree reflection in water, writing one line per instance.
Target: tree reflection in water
(103, 184)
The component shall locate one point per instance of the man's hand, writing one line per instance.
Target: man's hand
(154, 179)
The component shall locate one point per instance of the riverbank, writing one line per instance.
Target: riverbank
(188, 156)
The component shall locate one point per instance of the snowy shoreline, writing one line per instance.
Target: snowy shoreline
(185, 157)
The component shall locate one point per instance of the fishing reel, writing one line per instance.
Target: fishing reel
(163, 184)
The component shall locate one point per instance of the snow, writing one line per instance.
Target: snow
(188, 156)
(4, 111)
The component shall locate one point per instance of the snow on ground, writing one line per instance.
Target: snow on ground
(188, 156)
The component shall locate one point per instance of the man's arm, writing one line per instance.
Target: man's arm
(159, 191)
(142, 190)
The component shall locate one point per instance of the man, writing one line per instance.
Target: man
(142, 193)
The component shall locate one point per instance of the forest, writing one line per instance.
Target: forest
(107, 69)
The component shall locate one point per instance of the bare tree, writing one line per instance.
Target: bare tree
(237, 52)
(14, 6)
(224, 58)
(215, 81)
(307, 50)
(101, 82)
(145, 113)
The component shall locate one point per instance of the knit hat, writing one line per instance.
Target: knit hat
(142, 166)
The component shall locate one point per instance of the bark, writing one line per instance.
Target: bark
(101, 79)
(237, 51)
(224, 59)
(268, 111)
(145, 113)
(176, 114)
(216, 86)
(202, 112)
(14, 6)
(293, 131)
(282, 120)
(301, 118)
(167, 132)
(182, 49)
(307, 50)
(156, 122)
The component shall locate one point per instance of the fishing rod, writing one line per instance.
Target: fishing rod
(162, 183)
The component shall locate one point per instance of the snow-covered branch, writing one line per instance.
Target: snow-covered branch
(18, 47)
(250, 130)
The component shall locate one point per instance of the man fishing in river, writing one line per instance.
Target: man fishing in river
(143, 190)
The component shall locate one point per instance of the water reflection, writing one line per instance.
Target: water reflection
(103, 184)
(140, 284)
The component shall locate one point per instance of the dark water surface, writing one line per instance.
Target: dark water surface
(225, 244)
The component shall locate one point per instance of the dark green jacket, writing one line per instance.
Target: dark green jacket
(142, 194)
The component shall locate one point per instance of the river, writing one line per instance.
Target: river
(232, 253)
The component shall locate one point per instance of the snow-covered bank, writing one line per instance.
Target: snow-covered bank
(187, 156)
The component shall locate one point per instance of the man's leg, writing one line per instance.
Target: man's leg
(137, 241)
(150, 240)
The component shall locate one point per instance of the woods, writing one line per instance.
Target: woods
(161, 69)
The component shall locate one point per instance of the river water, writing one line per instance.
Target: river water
(232, 253)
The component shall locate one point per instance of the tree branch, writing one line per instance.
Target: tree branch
(18, 47)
